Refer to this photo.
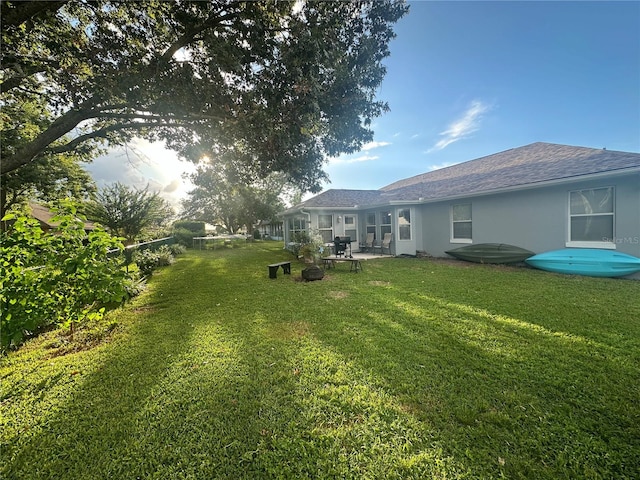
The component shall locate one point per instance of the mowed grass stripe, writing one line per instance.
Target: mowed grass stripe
(410, 369)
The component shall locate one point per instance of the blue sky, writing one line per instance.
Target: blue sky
(468, 79)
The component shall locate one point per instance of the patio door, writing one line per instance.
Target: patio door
(351, 230)
(404, 238)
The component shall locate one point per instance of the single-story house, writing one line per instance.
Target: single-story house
(270, 229)
(540, 197)
(44, 215)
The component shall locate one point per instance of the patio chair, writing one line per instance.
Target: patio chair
(368, 244)
(386, 243)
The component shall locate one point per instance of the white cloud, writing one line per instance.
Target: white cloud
(463, 126)
(366, 157)
(442, 165)
(371, 145)
(361, 158)
(143, 163)
(173, 186)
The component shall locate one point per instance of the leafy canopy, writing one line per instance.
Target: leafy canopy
(49, 177)
(127, 212)
(223, 196)
(280, 84)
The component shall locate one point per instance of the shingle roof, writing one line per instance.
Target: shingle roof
(340, 198)
(538, 162)
(517, 167)
(44, 216)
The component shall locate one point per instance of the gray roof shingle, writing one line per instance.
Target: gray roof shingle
(523, 166)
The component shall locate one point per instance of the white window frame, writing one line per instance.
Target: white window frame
(386, 227)
(296, 224)
(398, 217)
(326, 229)
(371, 227)
(587, 244)
(452, 239)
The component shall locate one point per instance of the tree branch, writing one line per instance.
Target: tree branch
(60, 127)
(16, 13)
(104, 132)
(190, 35)
(153, 116)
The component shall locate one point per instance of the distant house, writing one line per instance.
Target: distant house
(540, 197)
(270, 229)
(44, 216)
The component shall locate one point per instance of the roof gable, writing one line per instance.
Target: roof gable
(518, 167)
(535, 163)
(339, 198)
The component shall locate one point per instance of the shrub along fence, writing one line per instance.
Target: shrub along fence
(55, 279)
(152, 245)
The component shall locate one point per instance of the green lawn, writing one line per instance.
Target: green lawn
(412, 369)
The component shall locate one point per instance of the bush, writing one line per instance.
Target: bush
(165, 257)
(298, 240)
(184, 237)
(195, 227)
(312, 248)
(55, 279)
(177, 249)
(185, 230)
(148, 260)
(135, 284)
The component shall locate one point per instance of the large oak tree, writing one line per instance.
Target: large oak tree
(280, 85)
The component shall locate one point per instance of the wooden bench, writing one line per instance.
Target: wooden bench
(329, 262)
(273, 269)
(355, 264)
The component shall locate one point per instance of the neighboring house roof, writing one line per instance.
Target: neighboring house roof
(515, 168)
(44, 216)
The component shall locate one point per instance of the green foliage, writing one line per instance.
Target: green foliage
(185, 230)
(177, 249)
(128, 211)
(146, 260)
(224, 195)
(298, 239)
(149, 259)
(134, 284)
(286, 83)
(193, 226)
(55, 278)
(184, 237)
(311, 246)
(50, 176)
(165, 256)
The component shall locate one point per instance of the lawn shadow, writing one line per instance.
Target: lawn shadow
(97, 429)
(482, 378)
(358, 377)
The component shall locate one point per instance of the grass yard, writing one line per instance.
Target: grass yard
(411, 369)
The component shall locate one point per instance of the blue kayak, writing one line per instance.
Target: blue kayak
(592, 262)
